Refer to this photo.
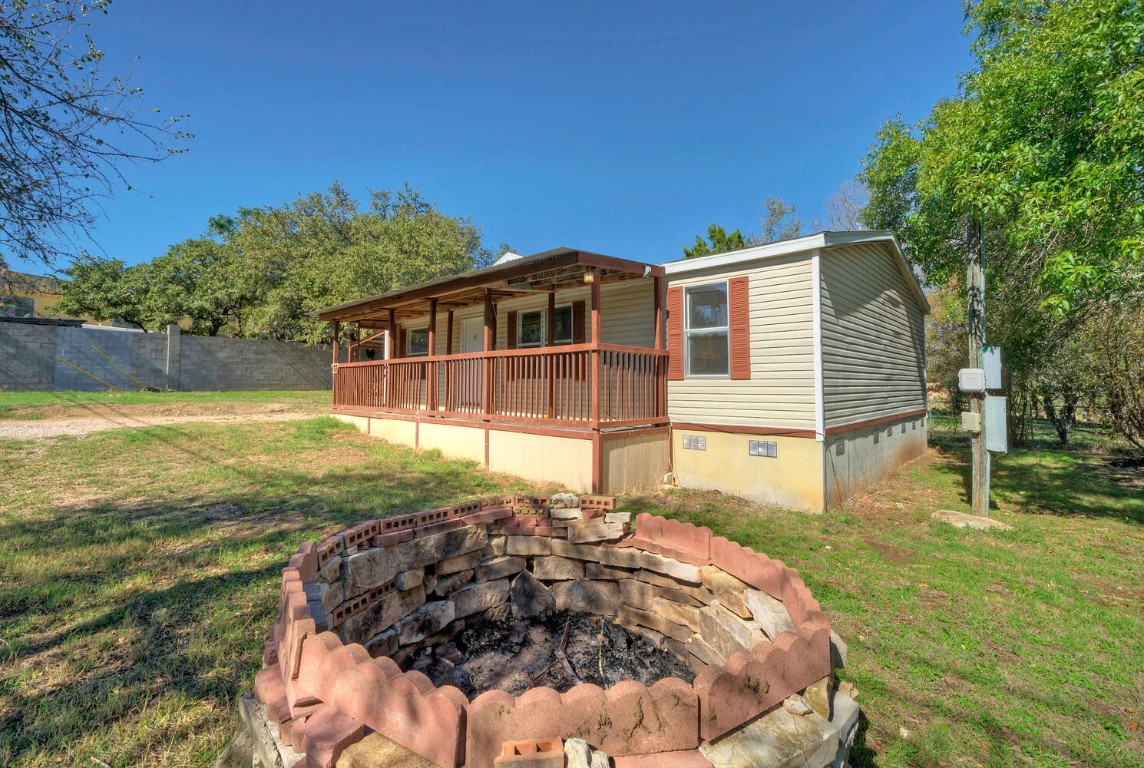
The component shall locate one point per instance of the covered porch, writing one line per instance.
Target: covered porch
(517, 367)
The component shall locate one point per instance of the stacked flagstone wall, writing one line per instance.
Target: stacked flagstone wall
(355, 605)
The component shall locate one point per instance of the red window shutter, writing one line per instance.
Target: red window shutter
(402, 350)
(578, 318)
(739, 311)
(511, 330)
(675, 334)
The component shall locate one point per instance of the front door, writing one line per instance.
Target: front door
(472, 334)
(472, 372)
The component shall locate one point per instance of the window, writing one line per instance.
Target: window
(562, 325)
(706, 330)
(765, 448)
(531, 329)
(417, 342)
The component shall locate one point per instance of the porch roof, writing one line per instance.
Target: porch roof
(539, 273)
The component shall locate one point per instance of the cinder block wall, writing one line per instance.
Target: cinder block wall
(27, 356)
(46, 358)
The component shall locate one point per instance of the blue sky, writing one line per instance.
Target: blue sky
(623, 128)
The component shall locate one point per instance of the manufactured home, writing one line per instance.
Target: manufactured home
(791, 373)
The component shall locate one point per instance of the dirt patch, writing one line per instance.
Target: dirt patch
(1125, 472)
(100, 418)
(513, 656)
(889, 552)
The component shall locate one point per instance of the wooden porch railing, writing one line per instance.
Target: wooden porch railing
(549, 385)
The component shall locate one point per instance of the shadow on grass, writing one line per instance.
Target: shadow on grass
(862, 755)
(114, 610)
(1045, 481)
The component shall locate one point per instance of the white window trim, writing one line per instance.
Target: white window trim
(687, 332)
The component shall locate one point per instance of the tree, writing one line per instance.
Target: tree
(718, 241)
(103, 289)
(780, 222)
(65, 128)
(195, 279)
(844, 208)
(321, 250)
(1117, 362)
(1043, 144)
(264, 272)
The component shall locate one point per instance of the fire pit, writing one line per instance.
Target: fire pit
(362, 613)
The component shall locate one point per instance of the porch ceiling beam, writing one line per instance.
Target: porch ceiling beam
(620, 265)
(544, 270)
(448, 286)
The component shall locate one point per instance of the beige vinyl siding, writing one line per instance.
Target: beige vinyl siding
(627, 313)
(780, 392)
(873, 338)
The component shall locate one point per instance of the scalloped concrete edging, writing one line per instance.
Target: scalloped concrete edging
(382, 584)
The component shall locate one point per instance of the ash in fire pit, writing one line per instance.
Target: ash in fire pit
(558, 652)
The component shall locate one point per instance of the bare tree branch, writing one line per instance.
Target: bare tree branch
(65, 129)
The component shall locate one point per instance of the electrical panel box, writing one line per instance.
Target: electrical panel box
(970, 421)
(991, 364)
(971, 380)
(996, 424)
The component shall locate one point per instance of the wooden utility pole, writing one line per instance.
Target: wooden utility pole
(975, 279)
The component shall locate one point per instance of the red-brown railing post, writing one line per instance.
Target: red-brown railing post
(595, 389)
(550, 360)
(448, 368)
(489, 343)
(431, 364)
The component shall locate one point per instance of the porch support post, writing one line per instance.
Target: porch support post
(489, 342)
(551, 340)
(431, 365)
(391, 343)
(550, 359)
(595, 273)
(333, 363)
(391, 352)
(657, 283)
(448, 351)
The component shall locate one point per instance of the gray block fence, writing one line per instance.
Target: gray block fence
(46, 358)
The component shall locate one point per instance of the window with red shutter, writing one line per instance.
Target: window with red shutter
(709, 330)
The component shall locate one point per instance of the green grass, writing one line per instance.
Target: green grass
(990, 649)
(138, 578)
(23, 405)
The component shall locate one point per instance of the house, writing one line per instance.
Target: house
(791, 373)
(25, 295)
